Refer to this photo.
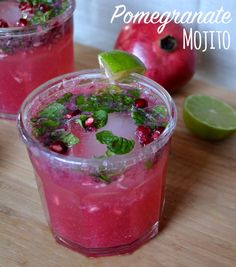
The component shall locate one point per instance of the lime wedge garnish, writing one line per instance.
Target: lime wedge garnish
(119, 64)
(208, 117)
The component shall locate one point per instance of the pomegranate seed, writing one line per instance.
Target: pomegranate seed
(22, 22)
(144, 135)
(143, 130)
(73, 113)
(44, 8)
(156, 134)
(59, 147)
(145, 140)
(3, 23)
(140, 103)
(26, 7)
(89, 122)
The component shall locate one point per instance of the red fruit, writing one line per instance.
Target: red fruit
(59, 147)
(26, 7)
(44, 8)
(3, 24)
(144, 135)
(157, 132)
(22, 22)
(89, 122)
(141, 103)
(162, 53)
(73, 113)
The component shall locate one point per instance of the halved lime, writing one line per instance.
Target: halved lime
(209, 118)
(119, 64)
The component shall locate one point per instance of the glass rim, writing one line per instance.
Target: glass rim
(140, 154)
(39, 28)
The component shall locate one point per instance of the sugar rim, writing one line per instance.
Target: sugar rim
(129, 159)
(39, 28)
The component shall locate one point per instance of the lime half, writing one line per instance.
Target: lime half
(119, 64)
(208, 117)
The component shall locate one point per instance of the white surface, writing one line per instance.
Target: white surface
(93, 28)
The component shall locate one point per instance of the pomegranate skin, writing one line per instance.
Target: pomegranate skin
(171, 68)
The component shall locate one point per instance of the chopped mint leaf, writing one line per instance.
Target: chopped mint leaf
(53, 111)
(103, 177)
(148, 164)
(81, 120)
(41, 126)
(65, 98)
(49, 123)
(69, 139)
(115, 144)
(160, 110)
(134, 92)
(100, 118)
(139, 116)
(80, 100)
(128, 101)
(108, 153)
(105, 137)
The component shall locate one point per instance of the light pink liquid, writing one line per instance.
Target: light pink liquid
(87, 215)
(27, 67)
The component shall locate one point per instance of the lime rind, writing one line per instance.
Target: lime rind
(208, 117)
(118, 64)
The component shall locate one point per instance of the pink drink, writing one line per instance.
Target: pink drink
(31, 55)
(86, 214)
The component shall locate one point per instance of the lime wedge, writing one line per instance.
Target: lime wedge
(208, 117)
(119, 64)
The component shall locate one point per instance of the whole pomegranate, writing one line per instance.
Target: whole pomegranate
(167, 62)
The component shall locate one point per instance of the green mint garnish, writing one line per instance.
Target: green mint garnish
(138, 116)
(65, 98)
(69, 139)
(42, 125)
(81, 120)
(100, 118)
(135, 93)
(148, 164)
(53, 111)
(66, 137)
(80, 100)
(103, 177)
(159, 110)
(54, 7)
(115, 144)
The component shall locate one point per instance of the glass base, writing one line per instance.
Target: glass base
(8, 116)
(99, 252)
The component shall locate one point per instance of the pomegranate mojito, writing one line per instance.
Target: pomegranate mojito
(99, 151)
(36, 44)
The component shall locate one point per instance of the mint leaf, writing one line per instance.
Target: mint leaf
(80, 100)
(138, 116)
(69, 139)
(53, 111)
(81, 120)
(100, 118)
(105, 137)
(115, 144)
(134, 92)
(121, 146)
(65, 98)
(103, 177)
(42, 125)
(160, 110)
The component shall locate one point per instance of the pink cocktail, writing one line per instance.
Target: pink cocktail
(31, 54)
(96, 204)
